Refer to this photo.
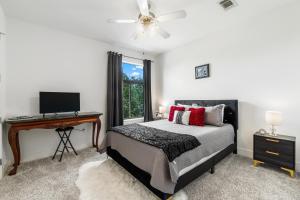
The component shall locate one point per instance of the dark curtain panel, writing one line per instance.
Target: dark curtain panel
(114, 90)
(148, 116)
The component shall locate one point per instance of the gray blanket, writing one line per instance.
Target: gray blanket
(172, 144)
(164, 174)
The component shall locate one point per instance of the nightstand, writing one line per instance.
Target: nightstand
(277, 150)
(157, 118)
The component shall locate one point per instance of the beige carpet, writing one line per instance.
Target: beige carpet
(47, 179)
(235, 178)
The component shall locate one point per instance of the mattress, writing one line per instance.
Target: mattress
(164, 174)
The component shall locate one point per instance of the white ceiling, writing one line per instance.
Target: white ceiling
(88, 18)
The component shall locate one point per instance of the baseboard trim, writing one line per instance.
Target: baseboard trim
(5, 167)
(245, 152)
(298, 167)
(249, 154)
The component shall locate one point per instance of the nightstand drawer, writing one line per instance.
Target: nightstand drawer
(276, 159)
(274, 145)
(275, 155)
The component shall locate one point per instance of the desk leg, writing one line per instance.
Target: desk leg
(18, 148)
(93, 137)
(98, 122)
(14, 145)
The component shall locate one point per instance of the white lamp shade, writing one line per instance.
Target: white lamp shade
(162, 109)
(273, 118)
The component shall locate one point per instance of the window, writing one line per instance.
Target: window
(133, 91)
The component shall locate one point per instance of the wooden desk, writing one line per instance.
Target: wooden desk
(49, 122)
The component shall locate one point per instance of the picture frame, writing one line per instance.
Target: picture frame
(202, 71)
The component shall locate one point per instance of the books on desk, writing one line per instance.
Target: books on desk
(20, 118)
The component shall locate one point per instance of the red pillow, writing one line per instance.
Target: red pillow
(197, 117)
(172, 111)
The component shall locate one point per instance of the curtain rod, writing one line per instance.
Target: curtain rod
(132, 57)
(135, 58)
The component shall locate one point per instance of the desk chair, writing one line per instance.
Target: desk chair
(64, 135)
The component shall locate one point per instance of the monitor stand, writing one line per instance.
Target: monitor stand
(54, 114)
(76, 113)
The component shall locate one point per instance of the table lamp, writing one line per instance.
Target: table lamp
(273, 118)
(162, 110)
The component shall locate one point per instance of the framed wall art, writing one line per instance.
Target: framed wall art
(202, 71)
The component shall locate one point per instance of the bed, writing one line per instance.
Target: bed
(163, 177)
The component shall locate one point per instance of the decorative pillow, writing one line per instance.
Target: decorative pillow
(197, 116)
(214, 115)
(187, 107)
(182, 117)
(172, 110)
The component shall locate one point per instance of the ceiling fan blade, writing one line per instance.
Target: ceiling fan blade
(144, 7)
(163, 33)
(171, 16)
(122, 21)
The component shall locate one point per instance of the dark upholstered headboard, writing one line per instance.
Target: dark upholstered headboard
(230, 112)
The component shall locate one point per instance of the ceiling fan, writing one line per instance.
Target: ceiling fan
(147, 22)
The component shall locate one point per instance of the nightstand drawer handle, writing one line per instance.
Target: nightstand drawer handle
(270, 140)
(273, 153)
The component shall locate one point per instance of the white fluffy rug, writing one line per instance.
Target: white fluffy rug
(107, 180)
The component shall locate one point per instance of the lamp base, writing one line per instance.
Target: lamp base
(273, 131)
(272, 134)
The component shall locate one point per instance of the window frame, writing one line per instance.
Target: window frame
(136, 119)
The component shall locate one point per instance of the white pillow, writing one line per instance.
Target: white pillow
(181, 117)
(214, 115)
(186, 107)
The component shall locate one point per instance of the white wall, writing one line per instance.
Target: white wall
(43, 59)
(2, 77)
(257, 62)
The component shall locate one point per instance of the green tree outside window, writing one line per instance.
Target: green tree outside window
(133, 91)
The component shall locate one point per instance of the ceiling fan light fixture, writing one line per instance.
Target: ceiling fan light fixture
(147, 24)
(140, 28)
(149, 30)
(153, 29)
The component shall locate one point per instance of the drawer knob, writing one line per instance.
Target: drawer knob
(272, 153)
(271, 140)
